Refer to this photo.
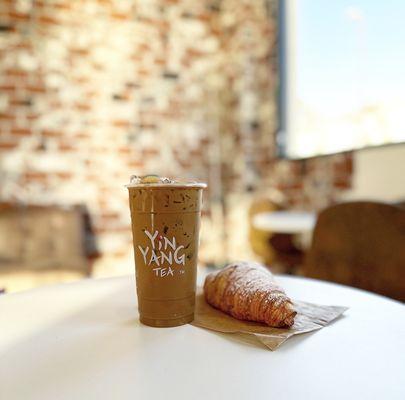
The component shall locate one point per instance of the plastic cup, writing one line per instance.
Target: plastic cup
(165, 229)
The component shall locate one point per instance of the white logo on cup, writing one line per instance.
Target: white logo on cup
(161, 251)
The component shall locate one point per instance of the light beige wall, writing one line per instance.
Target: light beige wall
(379, 174)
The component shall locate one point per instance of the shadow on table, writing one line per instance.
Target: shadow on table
(58, 360)
(251, 341)
(60, 355)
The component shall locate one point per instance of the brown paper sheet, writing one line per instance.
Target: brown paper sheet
(310, 317)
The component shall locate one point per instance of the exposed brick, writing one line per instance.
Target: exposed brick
(121, 17)
(82, 53)
(55, 104)
(7, 145)
(64, 175)
(160, 61)
(7, 87)
(16, 73)
(124, 150)
(173, 94)
(36, 89)
(342, 183)
(23, 45)
(136, 164)
(158, 23)
(27, 102)
(21, 132)
(143, 72)
(204, 17)
(35, 176)
(31, 117)
(83, 135)
(290, 186)
(120, 123)
(150, 152)
(65, 147)
(82, 107)
(110, 215)
(194, 53)
(49, 133)
(64, 5)
(119, 254)
(7, 117)
(344, 166)
(18, 16)
(48, 20)
(111, 229)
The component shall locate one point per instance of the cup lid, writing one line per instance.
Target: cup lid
(158, 181)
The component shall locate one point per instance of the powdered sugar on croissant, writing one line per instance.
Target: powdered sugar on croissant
(247, 290)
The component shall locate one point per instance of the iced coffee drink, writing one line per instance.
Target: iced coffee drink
(165, 226)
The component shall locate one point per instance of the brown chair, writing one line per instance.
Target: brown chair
(45, 244)
(361, 244)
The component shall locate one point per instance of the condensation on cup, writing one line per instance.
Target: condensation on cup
(165, 218)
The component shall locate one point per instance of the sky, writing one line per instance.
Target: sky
(349, 53)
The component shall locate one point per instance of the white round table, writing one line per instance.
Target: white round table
(285, 221)
(84, 341)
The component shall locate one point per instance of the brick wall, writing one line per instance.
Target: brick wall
(92, 91)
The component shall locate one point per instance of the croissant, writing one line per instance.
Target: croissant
(247, 291)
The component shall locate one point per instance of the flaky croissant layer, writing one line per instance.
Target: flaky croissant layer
(247, 291)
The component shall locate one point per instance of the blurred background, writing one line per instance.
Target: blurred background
(274, 104)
